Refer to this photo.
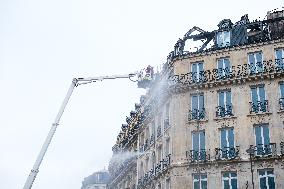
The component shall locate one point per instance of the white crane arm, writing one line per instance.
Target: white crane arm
(75, 82)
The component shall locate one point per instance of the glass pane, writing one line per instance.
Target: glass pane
(201, 102)
(220, 68)
(203, 176)
(263, 183)
(226, 184)
(202, 140)
(221, 99)
(228, 98)
(282, 90)
(266, 135)
(196, 185)
(258, 137)
(223, 139)
(261, 172)
(194, 72)
(254, 95)
(195, 141)
(196, 177)
(259, 62)
(270, 172)
(271, 183)
(279, 57)
(234, 183)
(231, 139)
(226, 175)
(252, 63)
(203, 184)
(194, 102)
(261, 94)
(220, 39)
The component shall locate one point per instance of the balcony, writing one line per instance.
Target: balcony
(227, 153)
(264, 150)
(166, 123)
(224, 111)
(281, 104)
(159, 131)
(259, 107)
(198, 155)
(196, 114)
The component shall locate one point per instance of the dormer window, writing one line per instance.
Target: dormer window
(223, 38)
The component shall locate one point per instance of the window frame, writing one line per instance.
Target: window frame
(224, 43)
(256, 71)
(223, 66)
(198, 75)
(199, 180)
(230, 178)
(266, 176)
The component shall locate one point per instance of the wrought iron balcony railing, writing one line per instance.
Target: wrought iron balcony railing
(282, 148)
(163, 165)
(166, 123)
(224, 111)
(259, 106)
(159, 131)
(227, 153)
(152, 139)
(262, 150)
(196, 114)
(281, 103)
(198, 155)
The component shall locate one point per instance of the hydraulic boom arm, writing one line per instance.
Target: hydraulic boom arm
(75, 82)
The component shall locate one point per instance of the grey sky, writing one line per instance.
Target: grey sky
(44, 44)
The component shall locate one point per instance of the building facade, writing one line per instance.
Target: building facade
(213, 117)
(97, 180)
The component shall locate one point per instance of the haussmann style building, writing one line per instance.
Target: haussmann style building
(213, 117)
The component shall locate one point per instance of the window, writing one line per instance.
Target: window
(225, 104)
(266, 179)
(223, 66)
(279, 56)
(159, 126)
(168, 183)
(230, 180)
(197, 107)
(153, 160)
(262, 140)
(196, 70)
(167, 116)
(223, 39)
(160, 155)
(227, 143)
(258, 104)
(167, 147)
(281, 99)
(199, 181)
(255, 62)
(198, 145)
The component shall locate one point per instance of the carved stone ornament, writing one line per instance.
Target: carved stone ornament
(229, 167)
(265, 164)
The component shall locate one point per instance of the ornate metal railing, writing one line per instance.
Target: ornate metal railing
(152, 139)
(159, 131)
(281, 103)
(227, 153)
(259, 106)
(196, 114)
(159, 168)
(262, 150)
(198, 155)
(282, 148)
(166, 123)
(224, 111)
(235, 72)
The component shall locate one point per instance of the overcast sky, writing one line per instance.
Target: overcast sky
(44, 44)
